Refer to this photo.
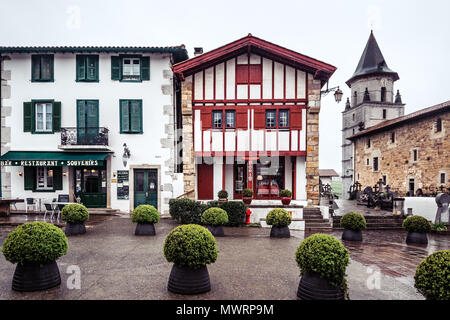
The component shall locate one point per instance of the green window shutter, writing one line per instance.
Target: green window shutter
(35, 67)
(57, 178)
(92, 68)
(81, 68)
(56, 117)
(116, 68)
(29, 178)
(136, 116)
(28, 117)
(124, 116)
(47, 67)
(145, 68)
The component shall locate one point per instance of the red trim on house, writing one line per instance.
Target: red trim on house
(248, 153)
(294, 177)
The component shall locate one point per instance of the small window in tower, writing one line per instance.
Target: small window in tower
(415, 155)
(393, 137)
(438, 125)
(442, 178)
(384, 113)
(368, 143)
(383, 94)
(375, 164)
(353, 117)
(355, 98)
(384, 179)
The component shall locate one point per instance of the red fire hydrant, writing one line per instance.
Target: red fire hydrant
(248, 213)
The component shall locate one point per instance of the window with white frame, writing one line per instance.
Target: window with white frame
(283, 116)
(217, 118)
(44, 117)
(271, 119)
(230, 119)
(131, 69)
(44, 178)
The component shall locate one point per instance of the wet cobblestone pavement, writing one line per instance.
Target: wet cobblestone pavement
(115, 264)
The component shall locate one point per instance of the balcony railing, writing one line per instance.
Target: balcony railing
(91, 136)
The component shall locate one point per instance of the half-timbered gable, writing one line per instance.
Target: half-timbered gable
(242, 102)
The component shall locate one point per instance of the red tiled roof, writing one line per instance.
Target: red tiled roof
(442, 107)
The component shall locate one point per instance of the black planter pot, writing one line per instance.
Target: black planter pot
(33, 277)
(73, 229)
(313, 287)
(352, 235)
(280, 232)
(145, 229)
(184, 280)
(417, 237)
(217, 231)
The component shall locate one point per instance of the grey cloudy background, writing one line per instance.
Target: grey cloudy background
(414, 37)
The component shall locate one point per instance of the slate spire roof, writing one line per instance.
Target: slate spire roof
(372, 62)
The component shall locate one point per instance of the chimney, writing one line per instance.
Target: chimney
(198, 51)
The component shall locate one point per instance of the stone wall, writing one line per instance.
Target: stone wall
(312, 141)
(395, 159)
(5, 112)
(188, 139)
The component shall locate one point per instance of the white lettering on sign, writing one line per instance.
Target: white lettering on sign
(39, 163)
(82, 163)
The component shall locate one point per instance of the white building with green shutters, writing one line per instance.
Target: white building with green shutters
(70, 115)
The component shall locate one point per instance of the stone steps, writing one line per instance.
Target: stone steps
(375, 222)
(314, 220)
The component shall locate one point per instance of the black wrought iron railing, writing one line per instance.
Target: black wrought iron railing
(97, 136)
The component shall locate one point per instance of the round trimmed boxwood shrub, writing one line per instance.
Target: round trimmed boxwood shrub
(222, 194)
(35, 242)
(248, 193)
(145, 213)
(74, 213)
(190, 245)
(417, 224)
(432, 277)
(285, 193)
(353, 221)
(214, 217)
(278, 218)
(324, 255)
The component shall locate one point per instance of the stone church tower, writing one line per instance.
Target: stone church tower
(372, 101)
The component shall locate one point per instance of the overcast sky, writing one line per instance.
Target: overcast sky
(414, 37)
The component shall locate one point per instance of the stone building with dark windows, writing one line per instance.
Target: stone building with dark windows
(372, 101)
(407, 153)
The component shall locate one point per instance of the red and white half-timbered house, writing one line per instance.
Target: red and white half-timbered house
(250, 119)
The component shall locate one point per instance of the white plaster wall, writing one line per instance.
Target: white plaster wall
(145, 148)
(301, 178)
(218, 173)
(229, 176)
(288, 173)
(283, 140)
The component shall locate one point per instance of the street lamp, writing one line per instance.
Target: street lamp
(337, 93)
(126, 154)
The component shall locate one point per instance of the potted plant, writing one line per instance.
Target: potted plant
(223, 195)
(353, 223)
(279, 219)
(214, 219)
(190, 247)
(35, 247)
(146, 216)
(247, 196)
(286, 196)
(75, 214)
(417, 228)
(432, 276)
(322, 260)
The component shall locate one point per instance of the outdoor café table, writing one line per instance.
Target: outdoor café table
(5, 205)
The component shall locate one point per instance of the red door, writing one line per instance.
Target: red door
(205, 180)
